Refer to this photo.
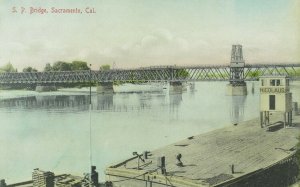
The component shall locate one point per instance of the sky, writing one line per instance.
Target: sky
(139, 33)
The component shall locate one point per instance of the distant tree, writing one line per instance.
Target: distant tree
(105, 67)
(61, 66)
(48, 67)
(79, 65)
(8, 68)
(254, 74)
(181, 73)
(66, 66)
(29, 69)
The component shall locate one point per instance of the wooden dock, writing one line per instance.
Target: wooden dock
(208, 158)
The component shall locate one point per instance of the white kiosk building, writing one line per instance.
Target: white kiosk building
(275, 96)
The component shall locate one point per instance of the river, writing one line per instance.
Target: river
(51, 131)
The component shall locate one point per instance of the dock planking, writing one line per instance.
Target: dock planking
(208, 158)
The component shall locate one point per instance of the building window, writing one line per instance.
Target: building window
(278, 82)
(287, 83)
(275, 82)
(262, 82)
(272, 82)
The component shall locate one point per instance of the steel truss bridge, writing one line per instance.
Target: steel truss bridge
(149, 74)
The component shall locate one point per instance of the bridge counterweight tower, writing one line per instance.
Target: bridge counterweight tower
(237, 84)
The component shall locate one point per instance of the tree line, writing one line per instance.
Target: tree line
(57, 66)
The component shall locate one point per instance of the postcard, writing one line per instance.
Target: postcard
(149, 93)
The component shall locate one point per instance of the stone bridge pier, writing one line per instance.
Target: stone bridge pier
(45, 88)
(176, 86)
(105, 87)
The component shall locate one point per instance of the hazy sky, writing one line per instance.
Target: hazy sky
(134, 33)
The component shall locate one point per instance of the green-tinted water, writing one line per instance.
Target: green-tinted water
(50, 131)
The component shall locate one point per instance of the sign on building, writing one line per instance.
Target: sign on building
(275, 96)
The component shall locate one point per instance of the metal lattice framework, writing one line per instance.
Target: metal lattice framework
(237, 66)
(159, 73)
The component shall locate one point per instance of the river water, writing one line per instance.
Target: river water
(51, 131)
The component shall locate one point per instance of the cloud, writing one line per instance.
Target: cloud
(202, 33)
(158, 47)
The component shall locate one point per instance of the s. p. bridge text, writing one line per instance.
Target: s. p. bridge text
(52, 10)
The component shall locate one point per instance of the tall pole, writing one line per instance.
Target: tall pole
(90, 84)
(90, 111)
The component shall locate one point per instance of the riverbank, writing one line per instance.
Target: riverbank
(208, 158)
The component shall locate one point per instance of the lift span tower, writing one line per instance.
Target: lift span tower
(237, 84)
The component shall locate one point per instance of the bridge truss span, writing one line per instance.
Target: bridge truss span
(149, 74)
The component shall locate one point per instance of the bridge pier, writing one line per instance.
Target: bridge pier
(237, 85)
(45, 88)
(236, 90)
(105, 87)
(176, 86)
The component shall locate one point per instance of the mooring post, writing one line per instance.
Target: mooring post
(284, 114)
(261, 119)
(232, 168)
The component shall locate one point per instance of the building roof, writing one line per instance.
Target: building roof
(207, 157)
(274, 76)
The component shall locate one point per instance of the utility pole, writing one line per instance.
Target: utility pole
(90, 111)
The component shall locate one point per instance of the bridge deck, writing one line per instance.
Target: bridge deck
(164, 73)
(207, 157)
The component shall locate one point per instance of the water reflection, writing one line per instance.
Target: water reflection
(114, 103)
(47, 102)
(192, 87)
(237, 108)
(145, 100)
(175, 99)
(102, 102)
